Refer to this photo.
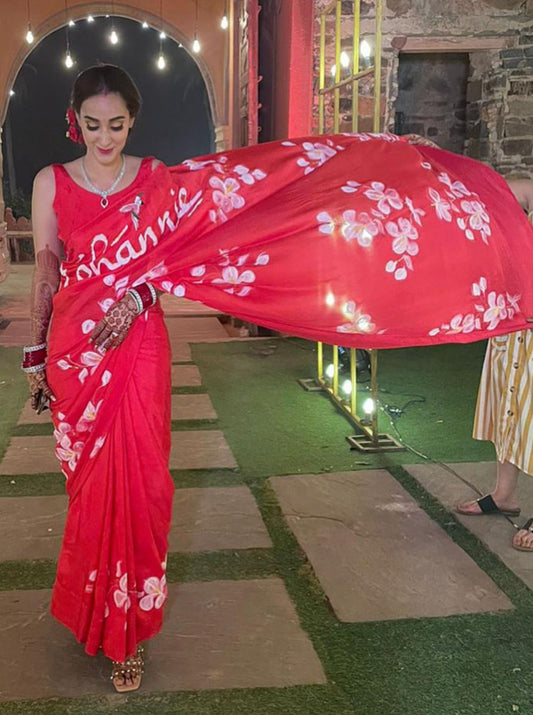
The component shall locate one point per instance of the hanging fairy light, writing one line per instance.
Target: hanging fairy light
(90, 18)
(11, 92)
(145, 25)
(29, 34)
(196, 47)
(71, 23)
(68, 61)
(224, 23)
(161, 60)
(113, 35)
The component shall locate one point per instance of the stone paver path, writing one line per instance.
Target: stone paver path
(208, 519)
(190, 449)
(185, 376)
(216, 518)
(378, 555)
(217, 634)
(495, 531)
(192, 407)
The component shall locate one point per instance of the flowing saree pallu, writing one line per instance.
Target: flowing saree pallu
(360, 240)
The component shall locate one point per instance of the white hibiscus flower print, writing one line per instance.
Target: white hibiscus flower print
(359, 322)
(360, 227)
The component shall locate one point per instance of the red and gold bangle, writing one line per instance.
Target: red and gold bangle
(34, 358)
(144, 296)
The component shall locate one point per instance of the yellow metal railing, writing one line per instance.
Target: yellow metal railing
(370, 439)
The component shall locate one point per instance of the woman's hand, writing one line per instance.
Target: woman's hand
(113, 328)
(421, 141)
(40, 391)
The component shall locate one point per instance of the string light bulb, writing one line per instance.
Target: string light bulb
(196, 47)
(113, 37)
(365, 49)
(162, 35)
(369, 406)
(11, 92)
(29, 34)
(145, 25)
(161, 62)
(224, 23)
(347, 387)
(71, 23)
(69, 62)
(90, 18)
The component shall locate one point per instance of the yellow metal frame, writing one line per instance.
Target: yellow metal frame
(372, 440)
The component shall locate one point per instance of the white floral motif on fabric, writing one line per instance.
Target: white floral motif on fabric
(358, 322)
(315, 153)
(154, 593)
(489, 310)
(458, 203)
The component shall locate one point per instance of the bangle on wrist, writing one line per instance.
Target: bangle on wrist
(144, 296)
(33, 368)
(34, 358)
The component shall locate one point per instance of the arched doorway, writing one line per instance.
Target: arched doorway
(176, 121)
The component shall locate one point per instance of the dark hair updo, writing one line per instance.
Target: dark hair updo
(105, 79)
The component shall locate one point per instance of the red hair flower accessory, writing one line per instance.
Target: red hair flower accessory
(74, 131)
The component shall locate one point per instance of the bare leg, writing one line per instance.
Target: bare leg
(504, 492)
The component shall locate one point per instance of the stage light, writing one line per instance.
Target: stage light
(369, 406)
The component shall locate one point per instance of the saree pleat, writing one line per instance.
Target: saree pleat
(357, 240)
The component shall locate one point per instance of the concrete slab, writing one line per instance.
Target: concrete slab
(191, 449)
(174, 306)
(196, 329)
(217, 634)
(181, 352)
(215, 518)
(186, 376)
(192, 407)
(30, 417)
(200, 449)
(31, 527)
(30, 455)
(496, 532)
(207, 519)
(378, 555)
(17, 334)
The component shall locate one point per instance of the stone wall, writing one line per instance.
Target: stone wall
(498, 37)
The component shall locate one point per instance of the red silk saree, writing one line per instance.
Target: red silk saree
(360, 240)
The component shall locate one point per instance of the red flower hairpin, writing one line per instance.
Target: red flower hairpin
(73, 131)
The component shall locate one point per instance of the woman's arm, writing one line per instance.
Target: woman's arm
(46, 276)
(523, 191)
(45, 282)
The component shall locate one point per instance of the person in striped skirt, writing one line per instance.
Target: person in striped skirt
(504, 412)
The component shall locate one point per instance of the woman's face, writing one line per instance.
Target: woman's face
(105, 123)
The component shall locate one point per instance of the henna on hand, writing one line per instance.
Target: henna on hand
(45, 283)
(113, 328)
(38, 386)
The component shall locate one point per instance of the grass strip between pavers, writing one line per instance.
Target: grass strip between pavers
(300, 700)
(181, 567)
(189, 390)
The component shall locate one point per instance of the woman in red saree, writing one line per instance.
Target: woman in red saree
(362, 240)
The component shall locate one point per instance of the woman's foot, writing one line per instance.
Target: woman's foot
(489, 504)
(127, 676)
(523, 539)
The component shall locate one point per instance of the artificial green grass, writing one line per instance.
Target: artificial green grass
(276, 427)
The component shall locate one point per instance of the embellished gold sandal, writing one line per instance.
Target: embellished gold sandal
(127, 676)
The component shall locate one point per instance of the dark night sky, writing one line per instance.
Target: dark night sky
(175, 121)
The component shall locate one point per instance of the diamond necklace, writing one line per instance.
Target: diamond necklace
(104, 201)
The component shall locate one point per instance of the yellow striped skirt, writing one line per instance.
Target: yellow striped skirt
(504, 410)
